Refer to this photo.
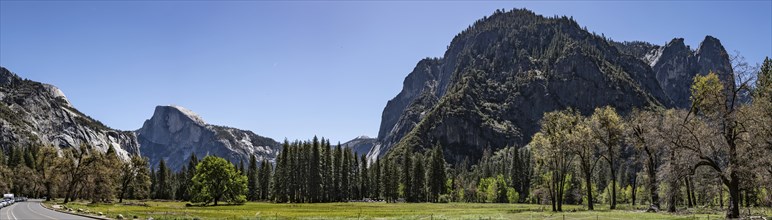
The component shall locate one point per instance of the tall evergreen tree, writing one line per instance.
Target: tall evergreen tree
(364, 175)
(315, 176)
(252, 186)
(406, 178)
(436, 174)
(345, 176)
(337, 173)
(375, 180)
(164, 186)
(280, 179)
(264, 179)
(419, 180)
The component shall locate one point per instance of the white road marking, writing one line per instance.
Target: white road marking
(11, 213)
(33, 211)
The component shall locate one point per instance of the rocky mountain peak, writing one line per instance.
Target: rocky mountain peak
(173, 133)
(499, 76)
(6, 76)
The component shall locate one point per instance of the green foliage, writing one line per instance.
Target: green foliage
(707, 94)
(217, 179)
(494, 190)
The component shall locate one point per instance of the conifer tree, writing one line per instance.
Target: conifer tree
(436, 174)
(419, 179)
(406, 178)
(364, 175)
(252, 186)
(265, 179)
(314, 172)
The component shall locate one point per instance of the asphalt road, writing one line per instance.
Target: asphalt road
(32, 210)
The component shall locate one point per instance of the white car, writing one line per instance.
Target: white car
(3, 204)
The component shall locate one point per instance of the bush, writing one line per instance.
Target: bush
(444, 198)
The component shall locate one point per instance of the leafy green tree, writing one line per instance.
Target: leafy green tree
(586, 150)
(553, 157)
(46, 167)
(218, 180)
(134, 178)
(608, 129)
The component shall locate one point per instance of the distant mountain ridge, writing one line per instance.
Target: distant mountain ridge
(499, 76)
(33, 113)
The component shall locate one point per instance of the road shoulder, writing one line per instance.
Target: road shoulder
(75, 213)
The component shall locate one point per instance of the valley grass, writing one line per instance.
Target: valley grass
(354, 210)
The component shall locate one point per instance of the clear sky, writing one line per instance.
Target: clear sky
(301, 68)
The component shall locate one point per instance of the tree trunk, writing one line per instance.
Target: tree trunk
(635, 186)
(689, 201)
(588, 180)
(613, 190)
(653, 187)
(69, 192)
(720, 195)
(48, 192)
(734, 198)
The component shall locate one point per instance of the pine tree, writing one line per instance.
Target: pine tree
(386, 181)
(337, 173)
(345, 183)
(252, 186)
(364, 182)
(419, 179)
(375, 180)
(191, 172)
(280, 188)
(164, 181)
(328, 172)
(314, 172)
(264, 179)
(405, 178)
(436, 174)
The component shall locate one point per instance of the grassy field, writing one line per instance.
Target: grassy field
(177, 210)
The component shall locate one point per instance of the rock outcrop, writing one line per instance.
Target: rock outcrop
(33, 113)
(361, 145)
(675, 64)
(173, 133)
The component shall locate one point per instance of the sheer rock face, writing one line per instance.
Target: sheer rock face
(499, 77)
(174, 133)
(33, 113)
(675, 65)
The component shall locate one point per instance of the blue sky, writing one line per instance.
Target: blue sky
(301, 68)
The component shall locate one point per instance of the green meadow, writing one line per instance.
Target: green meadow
(380, 210)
